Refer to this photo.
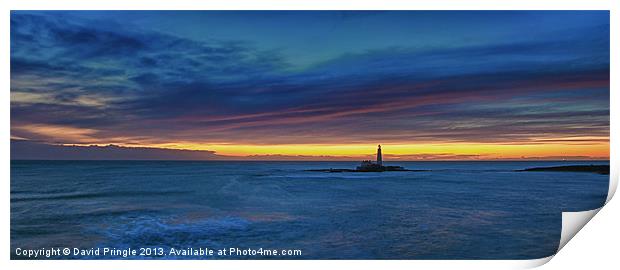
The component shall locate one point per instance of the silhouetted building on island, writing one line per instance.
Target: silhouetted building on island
(370, 166)
(366, 166)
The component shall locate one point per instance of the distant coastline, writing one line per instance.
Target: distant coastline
(600, 169)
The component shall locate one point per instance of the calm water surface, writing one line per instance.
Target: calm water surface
(458, 210)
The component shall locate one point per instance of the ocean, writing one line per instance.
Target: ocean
(457, 210)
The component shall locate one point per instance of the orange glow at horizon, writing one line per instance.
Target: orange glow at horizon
(403, 151)
(586, 147)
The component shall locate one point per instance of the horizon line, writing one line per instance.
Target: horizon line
(267, 160)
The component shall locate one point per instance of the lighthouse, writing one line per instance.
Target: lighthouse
(379, 157)
(369, 166)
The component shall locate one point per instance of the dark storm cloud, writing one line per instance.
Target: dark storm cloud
(134, 83)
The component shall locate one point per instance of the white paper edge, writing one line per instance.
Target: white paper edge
(573, 219)
(573, 222)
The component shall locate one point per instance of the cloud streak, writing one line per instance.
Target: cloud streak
(148, 86)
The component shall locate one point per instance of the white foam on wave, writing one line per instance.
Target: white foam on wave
(152, 231)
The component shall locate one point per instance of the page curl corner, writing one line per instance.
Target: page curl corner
(572, 223)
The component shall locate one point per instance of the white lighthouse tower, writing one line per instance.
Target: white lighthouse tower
(379, 157)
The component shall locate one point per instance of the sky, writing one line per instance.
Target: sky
(314, 84)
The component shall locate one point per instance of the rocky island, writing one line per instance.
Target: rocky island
(368, 166)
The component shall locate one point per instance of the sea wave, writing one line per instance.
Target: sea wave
(171, 232)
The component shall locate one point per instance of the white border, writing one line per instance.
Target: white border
(293, 5)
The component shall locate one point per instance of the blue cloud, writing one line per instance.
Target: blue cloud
(135, 81)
